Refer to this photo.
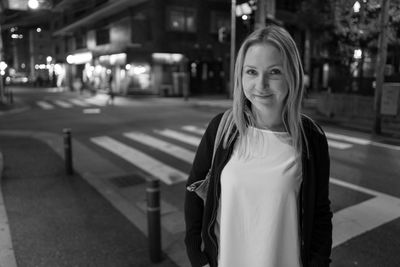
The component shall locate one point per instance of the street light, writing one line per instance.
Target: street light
(33, 4)
(356, 7)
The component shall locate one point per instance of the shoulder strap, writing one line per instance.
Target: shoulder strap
(218, 137)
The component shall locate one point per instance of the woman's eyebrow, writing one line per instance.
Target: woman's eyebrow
(268, 67)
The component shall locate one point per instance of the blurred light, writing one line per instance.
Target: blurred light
(16, 36)
(139, 70)
(2, 72)
(33, 4)
(239, 11)
(167, 58)
(58, 69)
(23, 65)
(246, 8)
(357, 53)
(356, 7)
(49, 59)
(98, 69)
(108, 71)
(36, 66)
(128, 66)
(79, 58)
(38, 29)
(245, 17)
(3, 65)
(13, 29)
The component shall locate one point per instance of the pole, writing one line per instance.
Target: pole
(68, 151)
(233, 49)
(153, 220)
(381, 63)
(2, 89)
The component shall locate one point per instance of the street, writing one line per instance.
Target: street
(138, 137)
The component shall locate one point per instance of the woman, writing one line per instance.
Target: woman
(267, 202)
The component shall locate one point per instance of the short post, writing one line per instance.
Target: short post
(68, 151)
(153, 220)
(11, 97)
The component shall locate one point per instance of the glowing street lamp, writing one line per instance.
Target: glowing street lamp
(33, 4)
(356, 7)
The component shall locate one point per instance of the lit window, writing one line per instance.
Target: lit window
(181, 19)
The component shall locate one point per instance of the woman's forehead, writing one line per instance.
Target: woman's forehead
(263, 54)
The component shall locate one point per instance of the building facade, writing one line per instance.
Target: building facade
(166, 47)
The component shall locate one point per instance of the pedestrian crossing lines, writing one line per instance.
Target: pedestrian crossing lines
(69, 103)
(179, 144)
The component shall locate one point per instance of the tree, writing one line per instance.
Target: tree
(356, 30)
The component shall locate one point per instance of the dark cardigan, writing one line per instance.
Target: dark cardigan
(315, 213)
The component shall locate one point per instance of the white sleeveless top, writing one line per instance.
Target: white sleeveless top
(257, 223)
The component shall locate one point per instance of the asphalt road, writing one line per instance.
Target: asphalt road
(142, 134)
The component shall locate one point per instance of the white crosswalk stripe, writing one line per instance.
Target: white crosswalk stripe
(44, 105)
(159, 170)
(339, 145)
(174, 150)
(360, 141)
(63, 104)
(190, 139)
(194, 129)
(79, 102)
(365, 216)
(348, 223)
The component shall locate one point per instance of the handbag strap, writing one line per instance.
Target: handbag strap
(218, 137)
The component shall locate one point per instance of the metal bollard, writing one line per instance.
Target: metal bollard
(68, 151)
(153, 220)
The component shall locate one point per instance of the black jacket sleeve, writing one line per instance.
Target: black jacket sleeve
(193, 204)
(321, 239)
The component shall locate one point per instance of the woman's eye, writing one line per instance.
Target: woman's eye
(276, 71)
(251, 72)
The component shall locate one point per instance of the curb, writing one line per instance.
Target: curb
(7, 257)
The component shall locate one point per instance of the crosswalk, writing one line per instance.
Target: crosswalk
(181, 143)
(71, 103)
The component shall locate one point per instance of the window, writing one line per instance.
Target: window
(181, 19)
(80, 40)
(102, 36)
(219, 20)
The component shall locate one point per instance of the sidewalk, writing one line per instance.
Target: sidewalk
(61, 220)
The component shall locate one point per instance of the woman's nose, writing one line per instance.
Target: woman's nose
(262, 82)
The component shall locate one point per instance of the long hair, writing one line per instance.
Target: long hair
(293, 75)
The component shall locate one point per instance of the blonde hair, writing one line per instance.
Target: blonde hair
(293, 74)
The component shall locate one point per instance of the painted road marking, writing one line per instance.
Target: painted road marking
(79, 102)
(358, 219)
(174, 150)
(63, 104)
(91, 111)
(194, 129)
(348, 223)
(44, 105)
(365, 216)
(99, 100)
(190, 139)
(338, 145)
(360, 141)
(165, 173)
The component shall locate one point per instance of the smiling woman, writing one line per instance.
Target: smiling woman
(267, 202)
(264, 85)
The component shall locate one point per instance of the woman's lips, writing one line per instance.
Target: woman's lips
(264, 96)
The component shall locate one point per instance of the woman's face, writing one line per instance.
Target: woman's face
(264, 83)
